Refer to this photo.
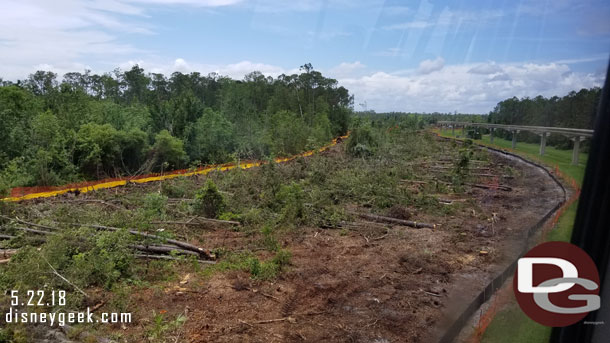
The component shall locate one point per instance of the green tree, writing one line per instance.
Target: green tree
(168, 151)
(287, 133)
(213, 138)
(98, 149)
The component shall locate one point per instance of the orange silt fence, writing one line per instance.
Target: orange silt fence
(25, 193)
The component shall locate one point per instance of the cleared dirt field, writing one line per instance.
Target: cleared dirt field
(352, 281)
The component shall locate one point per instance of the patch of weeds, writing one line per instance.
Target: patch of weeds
(269, 241)
(510, 171)
(230, 216)
(157, 270)
(270, 269)
(260, 270)
(120, 297)
(83, 256)
(155, 205)
(231, 261)
(330, 216)
(317, 176)
(162, 326)
(253, 216)
(425, 201)
(289, 199)
(177, 188)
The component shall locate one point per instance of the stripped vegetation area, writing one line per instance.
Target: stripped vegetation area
(373, 239)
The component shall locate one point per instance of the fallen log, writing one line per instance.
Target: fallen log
(476, 185)
(187, 246)
(176, 223)
(415, 181)
(500, 187)
(409, 223)
(39, 232)
(170, 258)
(491, 175)
(27, 223)
(6, 253)
(232, 222)
(162, 249)
(449, 201)
(6, 237)
(447, 167)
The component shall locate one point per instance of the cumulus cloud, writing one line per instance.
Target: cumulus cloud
(457, 88)
(486, 69)
(62, 33)
(347, 69)
(234, 70)
(429, 66)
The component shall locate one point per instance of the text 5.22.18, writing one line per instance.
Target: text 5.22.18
(38, 298)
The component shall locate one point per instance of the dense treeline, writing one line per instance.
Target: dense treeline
(575, 110)
(126, 122)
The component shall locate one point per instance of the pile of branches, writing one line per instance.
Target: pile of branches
(167, 250)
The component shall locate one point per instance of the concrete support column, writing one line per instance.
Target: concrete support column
(491, 134)
(576, 151)
(515, 132)
(543, 137)
(453, 129)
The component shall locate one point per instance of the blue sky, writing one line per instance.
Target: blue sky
(425, 55)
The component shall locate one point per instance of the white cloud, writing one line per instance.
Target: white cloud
(429, 66)
(486, 69)
(347, 69)
(63, 33)
(234, 70)
(455, 87)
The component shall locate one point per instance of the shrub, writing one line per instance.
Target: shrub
(177, 188)
(463, 161)
(362, 142)
(169, 151)
(208, 201)
(154, 205)
(269, 269)
(290, 200)
(269, 241)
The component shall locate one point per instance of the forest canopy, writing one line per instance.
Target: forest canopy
(86, 126)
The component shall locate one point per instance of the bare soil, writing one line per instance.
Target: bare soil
(370, 284)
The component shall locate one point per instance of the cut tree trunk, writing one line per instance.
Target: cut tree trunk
(500, 187)
(162, 249)
(164, 257)
(409, 223)
(27, 223)
(186, 246)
